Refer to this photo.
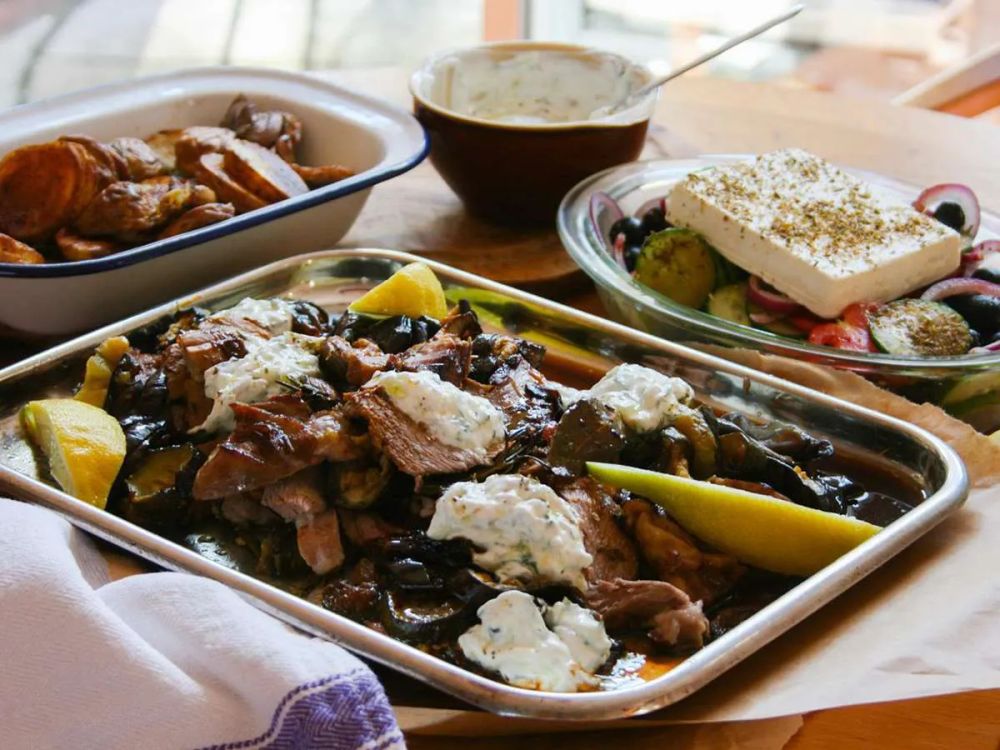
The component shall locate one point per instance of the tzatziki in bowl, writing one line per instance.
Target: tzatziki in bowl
(514, 125)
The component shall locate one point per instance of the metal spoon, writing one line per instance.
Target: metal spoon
(755, 31)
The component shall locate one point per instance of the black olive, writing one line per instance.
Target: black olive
(980, 311)
(654, 220)
(631, 256)
(631, 227)
(951, 215)
(987, 274)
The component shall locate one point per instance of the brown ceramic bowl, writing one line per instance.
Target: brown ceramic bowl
(513, 125)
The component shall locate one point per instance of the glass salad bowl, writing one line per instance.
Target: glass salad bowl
(967, 386)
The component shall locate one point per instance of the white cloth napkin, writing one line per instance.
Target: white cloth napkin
(161, 660)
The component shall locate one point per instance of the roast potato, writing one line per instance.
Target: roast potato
(44, 187)
(140, 159)
(110, 164)
(13, 251)
(209, 171)
(316, 177)
(163, 144)
(74, 247)
(197, 217)
(130, 211)
(195, 141)
(262, 172)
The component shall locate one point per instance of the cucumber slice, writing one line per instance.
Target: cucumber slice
(730, 302)
(971, 386)
(726, 272)
(678, 264)
(918, 327)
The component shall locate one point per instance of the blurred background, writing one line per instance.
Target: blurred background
(872, 48)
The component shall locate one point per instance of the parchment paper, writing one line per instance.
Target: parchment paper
(926, 623)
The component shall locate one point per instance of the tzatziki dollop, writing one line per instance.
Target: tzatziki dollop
(524, 531)
(533, 87)
(452, 416)
(513, 639)
(273, 314)
(643, 399)
(257, 375)
(581, 631)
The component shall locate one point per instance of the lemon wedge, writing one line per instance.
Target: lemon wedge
(84, 444)
(413, 290)
(762, 531)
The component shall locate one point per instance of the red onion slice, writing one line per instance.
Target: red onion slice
(953, 287)
(604, 211)
(763, 318)
(987, 349)
(975, 258)
(951, 192)
(660, 203)
(770, 299)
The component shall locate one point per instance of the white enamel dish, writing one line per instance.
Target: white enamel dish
(375, 139)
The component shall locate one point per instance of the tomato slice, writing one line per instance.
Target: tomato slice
(805, 321)
(842, 335)
(857, 314)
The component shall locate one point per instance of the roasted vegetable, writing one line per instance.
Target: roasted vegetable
(392, 335)
(358, 484)
(100, 367)
(159, 489)
(587, 431)
(678, 264)
(309, 318)
(704, 448)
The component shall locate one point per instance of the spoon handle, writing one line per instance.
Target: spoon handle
(755, 31)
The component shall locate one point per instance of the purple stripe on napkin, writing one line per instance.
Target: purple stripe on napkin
(348, 711)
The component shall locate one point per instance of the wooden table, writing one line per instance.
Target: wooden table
(417, 212)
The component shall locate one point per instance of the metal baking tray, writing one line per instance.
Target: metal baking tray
(574, 339)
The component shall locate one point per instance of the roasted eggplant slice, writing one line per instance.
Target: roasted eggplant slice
(159, 490)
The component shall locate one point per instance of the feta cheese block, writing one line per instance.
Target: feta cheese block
(819, 235)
